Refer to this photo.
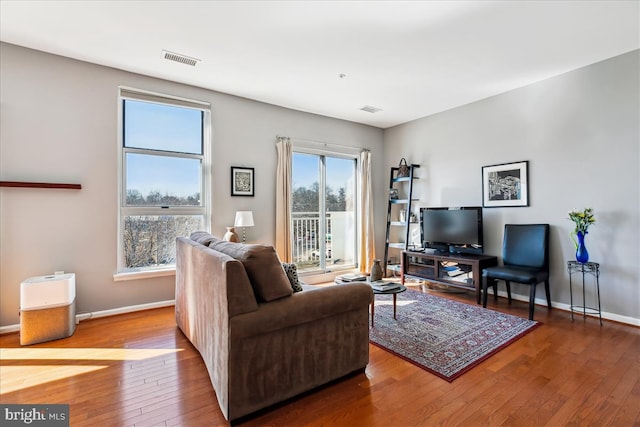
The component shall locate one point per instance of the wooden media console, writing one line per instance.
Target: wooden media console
(458, 270)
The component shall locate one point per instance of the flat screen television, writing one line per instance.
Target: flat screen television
(454, 230)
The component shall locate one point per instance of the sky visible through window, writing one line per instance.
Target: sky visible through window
(166, 175)
(305, 171)
(178, 129)
(166, 128)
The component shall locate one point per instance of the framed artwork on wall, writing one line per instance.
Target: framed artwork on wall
(242, 181)
(505, 185)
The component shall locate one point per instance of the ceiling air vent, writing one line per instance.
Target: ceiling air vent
(370, 109)
(178, 57)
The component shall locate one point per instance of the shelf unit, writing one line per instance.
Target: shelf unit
(398, 229)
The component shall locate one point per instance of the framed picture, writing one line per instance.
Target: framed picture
(242, 181)
(505, 185)
(393, 193)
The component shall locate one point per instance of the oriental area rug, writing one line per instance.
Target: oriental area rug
(446, 338)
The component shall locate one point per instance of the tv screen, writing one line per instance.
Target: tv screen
(448, 229)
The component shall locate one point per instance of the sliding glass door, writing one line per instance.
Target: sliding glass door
(324, 212)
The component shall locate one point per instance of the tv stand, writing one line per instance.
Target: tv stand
(462, 271)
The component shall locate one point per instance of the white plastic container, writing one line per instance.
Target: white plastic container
(47, 308)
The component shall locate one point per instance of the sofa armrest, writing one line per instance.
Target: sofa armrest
(302, 307)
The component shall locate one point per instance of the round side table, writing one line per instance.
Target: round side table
(393, 292)
(584, 270)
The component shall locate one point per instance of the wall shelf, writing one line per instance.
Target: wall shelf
(24, 184)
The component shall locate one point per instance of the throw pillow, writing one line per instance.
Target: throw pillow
(292, 275)
(202, 237)
(263, 267)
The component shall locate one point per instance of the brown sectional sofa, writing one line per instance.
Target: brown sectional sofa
(261, 342)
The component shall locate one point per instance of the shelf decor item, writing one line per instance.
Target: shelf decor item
(403, 168)
(582, 219)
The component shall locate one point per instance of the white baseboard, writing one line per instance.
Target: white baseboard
(567, 307)
(102, 313)
(133, 308)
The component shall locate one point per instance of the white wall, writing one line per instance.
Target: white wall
(58, 120)
(580, 133)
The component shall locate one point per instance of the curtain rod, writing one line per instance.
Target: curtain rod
(326, 144)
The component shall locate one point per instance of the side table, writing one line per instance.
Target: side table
(586, 269)
(393, 292)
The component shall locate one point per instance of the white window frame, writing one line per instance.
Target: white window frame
(124, 93)
(341, 152)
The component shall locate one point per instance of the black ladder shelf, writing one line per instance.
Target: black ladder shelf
(403, 188)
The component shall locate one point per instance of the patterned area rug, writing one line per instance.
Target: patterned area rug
(444, 337)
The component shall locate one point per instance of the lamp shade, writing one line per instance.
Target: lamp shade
(244, 219)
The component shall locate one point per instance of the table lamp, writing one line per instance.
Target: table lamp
(244, 219)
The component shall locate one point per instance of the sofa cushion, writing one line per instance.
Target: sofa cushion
(263, 266)
(291, 271)
(202, 237)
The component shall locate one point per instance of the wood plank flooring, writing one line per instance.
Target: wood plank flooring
(138, 370)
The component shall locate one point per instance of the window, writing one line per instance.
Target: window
(324, 212)
(164, 177)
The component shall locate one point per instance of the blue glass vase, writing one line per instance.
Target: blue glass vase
(582, 255)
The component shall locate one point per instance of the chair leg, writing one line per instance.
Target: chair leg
(485, 287)
(532, 301)
(546, 289)
(494, 282)
(508, 290)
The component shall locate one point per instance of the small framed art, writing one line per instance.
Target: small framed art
(505, 185)
(242, 181)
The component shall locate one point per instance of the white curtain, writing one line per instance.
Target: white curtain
(365, 214)
(283, 199)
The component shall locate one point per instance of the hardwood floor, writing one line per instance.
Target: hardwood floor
(138, 370)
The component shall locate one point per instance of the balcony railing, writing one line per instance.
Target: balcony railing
(307, 240)
(306, 234)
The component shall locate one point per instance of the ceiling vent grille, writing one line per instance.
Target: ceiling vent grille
(177, 57)
(370, 109)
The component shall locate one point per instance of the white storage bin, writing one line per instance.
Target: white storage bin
(47, 308)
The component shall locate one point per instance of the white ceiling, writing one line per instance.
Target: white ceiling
(411, 59)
